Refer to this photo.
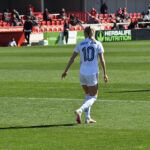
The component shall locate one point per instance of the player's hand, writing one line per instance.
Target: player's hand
(64, 75)
(105, 78)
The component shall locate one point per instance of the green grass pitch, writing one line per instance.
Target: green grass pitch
(37, 107)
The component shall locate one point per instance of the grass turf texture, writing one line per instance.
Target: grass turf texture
(36, 106)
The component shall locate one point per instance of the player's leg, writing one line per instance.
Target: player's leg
(67, 34)
(86, 91)
(92, 90)
(25, 34)
(91, 98)
(29, 37)
(63, 36)
(78, 112)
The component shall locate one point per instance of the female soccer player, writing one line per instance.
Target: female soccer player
(89, 50)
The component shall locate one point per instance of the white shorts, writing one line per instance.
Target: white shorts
(89, 80)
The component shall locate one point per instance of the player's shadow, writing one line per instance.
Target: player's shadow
(38, 126)
(130, 91)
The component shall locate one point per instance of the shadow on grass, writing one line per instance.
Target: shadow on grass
(129, 91)
(38, 126)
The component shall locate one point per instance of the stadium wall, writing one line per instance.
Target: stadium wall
(54, 6)
(69, 5)
(4, 4)
(20, 5)
(76, 5)
(113, 5)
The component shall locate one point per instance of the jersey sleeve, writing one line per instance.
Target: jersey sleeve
(77, 48)
(100, 48)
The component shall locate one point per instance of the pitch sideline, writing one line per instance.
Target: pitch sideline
(73, 99)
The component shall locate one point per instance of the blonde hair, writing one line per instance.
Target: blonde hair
(89, 32)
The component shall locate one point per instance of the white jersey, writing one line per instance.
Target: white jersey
(89, 50)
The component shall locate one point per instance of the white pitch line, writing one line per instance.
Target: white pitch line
(73, 99)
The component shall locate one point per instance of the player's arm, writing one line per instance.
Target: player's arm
(74, 55)
(102, 61)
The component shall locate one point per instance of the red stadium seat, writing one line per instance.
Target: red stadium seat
(103, 21)
(113, 15)
(78, 28)
(40, 23)
(131, 15)
(4, 24)
(50, 29)
(133, 19)
(106, 16)
(53, 22)
(1, 23)
(60, 29)
(39, 16)
(108, 20)
(72, 28)
(8, 25)
(35, 29)
(41, 30)
(138, 15)
(48, 23)
(62, 22)
(43, 22)
(55, 29)
(53, 17)
(101, 16)
(57, 22)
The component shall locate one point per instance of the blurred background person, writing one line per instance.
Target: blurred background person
(46, 15)
(104, 8)
(93, 12)
(12, 43)
(62, 14)
(73, 20)
(16, 14)
(6, 15)
(27, 28)
(66, 31)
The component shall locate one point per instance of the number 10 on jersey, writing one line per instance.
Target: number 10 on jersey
(88, 53)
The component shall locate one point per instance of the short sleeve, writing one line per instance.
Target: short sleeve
(100, 48)
(77, 48)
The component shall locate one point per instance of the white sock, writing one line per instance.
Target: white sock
(88, 103)
(87, 111)
(86, 98)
